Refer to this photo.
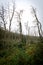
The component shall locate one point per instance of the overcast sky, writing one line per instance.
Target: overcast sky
(24, 4)
(38, 4)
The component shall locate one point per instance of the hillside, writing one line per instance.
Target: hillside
(14, 50)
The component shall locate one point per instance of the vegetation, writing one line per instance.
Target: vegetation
(20, 52)
(16, 48)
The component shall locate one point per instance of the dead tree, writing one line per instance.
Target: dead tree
(27, 31)
(39, 26)
(3, 16)
(19, 14)
(12, 15)
(27, 28)
(38, 22)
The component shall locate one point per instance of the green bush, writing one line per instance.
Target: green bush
(35, 52)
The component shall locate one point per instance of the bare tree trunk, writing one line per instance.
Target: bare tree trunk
(19, 21)
(20, 30)
(2, 15)
(38, 24)
(10, 19)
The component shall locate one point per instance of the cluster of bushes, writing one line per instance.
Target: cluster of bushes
(32, 55)
(20, 52)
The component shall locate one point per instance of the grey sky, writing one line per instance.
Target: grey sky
(38, 4)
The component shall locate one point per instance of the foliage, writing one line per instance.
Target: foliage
(16, 52)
